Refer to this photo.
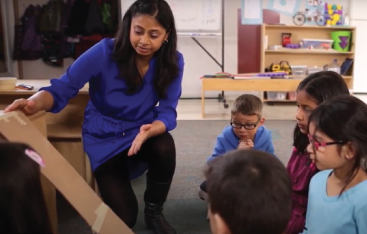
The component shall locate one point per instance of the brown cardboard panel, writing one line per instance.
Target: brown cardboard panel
(15, 126)
(49, 191)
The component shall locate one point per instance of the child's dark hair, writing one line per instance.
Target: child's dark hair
(247, 104)
(319, 86)
(166, 57)
(22, 205)
(251, 191)
(344, 118)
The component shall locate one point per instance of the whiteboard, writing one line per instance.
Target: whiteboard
(192, 15)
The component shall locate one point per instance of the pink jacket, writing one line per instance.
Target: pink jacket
(300, 174)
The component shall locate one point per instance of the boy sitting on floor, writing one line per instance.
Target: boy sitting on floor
(249, 192)
(246, 131)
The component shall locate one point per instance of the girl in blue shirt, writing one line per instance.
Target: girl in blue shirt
(337, 196)
(124, 131)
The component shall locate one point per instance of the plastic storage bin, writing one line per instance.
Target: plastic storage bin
(299, 70)
(277, 96)
(312, 70)
(316, 43)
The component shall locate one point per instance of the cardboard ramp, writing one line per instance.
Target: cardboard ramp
(16, 127)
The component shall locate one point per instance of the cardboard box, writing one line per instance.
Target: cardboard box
(15, 126)
(49, 191)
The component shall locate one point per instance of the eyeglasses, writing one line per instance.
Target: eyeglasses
(317, 144)
(246, 126)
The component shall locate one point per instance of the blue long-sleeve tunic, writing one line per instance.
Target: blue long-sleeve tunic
(112, 118)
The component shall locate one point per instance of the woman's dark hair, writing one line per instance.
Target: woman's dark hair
(166, 69)
(22, 205)
(343, 118)
(319, 86)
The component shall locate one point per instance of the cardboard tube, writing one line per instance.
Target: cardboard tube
(101, 212)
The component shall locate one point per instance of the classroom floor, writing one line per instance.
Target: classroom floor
(194, 141)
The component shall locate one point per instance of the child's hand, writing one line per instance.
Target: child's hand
(245, 144)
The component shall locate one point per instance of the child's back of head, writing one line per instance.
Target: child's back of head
(22, 205)
(249, 192)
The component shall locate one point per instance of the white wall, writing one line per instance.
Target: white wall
(358, 15)
(197, 61)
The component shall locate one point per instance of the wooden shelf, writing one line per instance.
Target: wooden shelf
(286, 100)
(304, 76)
(268, 26)
(303, 56)
(306, 51)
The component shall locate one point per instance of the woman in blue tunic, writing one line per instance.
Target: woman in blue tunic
(124, 131)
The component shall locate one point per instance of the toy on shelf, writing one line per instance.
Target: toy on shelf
(282, 67)
(293, 46)
(269, 74)
(286, 39)
(317, 16)
(333, 14)
(316, 43)
(247, 75)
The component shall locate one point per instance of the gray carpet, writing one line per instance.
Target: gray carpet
(183, 209)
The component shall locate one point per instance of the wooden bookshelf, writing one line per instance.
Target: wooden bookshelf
(305, 57)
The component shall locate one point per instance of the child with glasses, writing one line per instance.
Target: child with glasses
(311, 92)
(245, 131)
(337, 197)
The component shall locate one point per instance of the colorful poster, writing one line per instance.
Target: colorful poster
(286, 7)
(314, 11)
(314, 2)
(252, 12)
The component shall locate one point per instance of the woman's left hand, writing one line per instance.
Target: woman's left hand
(139, 139)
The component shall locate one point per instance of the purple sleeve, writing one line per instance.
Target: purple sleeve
(76, 76)
(166, 108)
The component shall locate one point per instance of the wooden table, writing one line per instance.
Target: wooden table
(72, 114)
(227, 84)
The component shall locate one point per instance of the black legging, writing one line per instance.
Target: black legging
(113, 178)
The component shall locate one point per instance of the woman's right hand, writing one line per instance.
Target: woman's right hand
(28, 107)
